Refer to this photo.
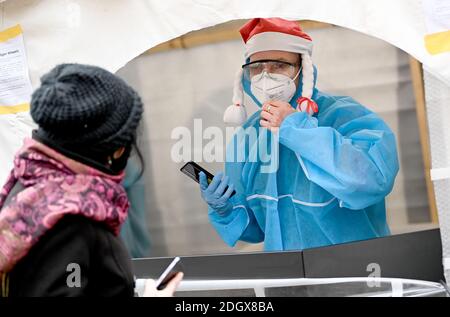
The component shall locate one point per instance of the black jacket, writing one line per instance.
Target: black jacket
(75, 242)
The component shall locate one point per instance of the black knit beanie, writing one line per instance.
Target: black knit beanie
(86, 107)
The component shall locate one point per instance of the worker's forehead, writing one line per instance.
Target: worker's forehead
(278, 55)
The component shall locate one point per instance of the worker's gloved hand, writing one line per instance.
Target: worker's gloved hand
(216, 194)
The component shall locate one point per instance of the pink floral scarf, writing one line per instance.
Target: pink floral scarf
(54, 186)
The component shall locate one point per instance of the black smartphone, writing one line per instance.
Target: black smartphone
(169, 273)
(193, 170)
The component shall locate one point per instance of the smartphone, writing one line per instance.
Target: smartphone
(169, 273)
(193, 170)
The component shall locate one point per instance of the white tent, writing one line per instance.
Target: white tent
(111, 33)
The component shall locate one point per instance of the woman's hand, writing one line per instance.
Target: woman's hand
(273, 114)
(168, 291)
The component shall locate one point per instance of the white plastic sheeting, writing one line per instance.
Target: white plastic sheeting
(111, 33)
(181, 85)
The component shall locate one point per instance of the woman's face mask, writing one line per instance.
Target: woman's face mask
(119, 164)
(273, 87)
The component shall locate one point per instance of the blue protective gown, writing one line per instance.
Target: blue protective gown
(335, 170)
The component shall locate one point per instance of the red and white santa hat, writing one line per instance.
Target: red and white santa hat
(274, 34)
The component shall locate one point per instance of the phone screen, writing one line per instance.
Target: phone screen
(169, 273)
(193, 170)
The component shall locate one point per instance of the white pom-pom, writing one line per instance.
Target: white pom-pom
(235, 115)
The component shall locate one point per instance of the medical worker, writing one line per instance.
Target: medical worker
(336, 160)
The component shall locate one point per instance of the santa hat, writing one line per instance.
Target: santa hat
(281, 35)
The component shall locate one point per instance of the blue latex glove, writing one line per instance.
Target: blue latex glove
(215, 195)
